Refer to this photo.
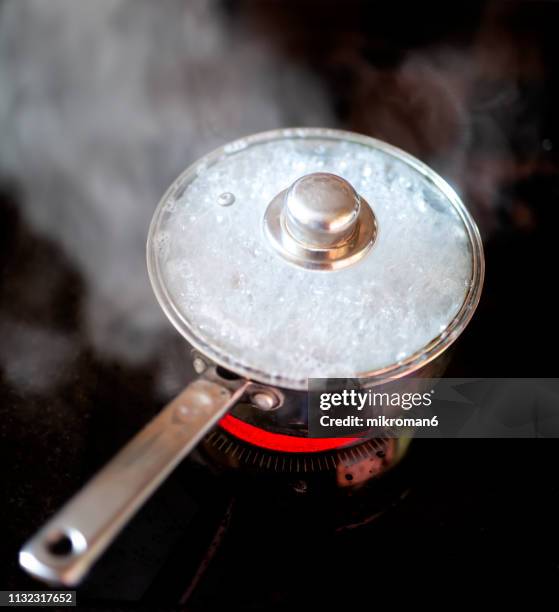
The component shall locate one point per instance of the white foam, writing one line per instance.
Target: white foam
(241, 297)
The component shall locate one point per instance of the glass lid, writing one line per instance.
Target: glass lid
(315, 253)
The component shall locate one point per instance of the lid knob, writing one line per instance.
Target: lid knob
(320, 222)
(321, 210)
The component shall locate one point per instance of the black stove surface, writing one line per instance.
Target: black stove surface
(100, 108)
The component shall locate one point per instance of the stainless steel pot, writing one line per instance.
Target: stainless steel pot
(276, 268)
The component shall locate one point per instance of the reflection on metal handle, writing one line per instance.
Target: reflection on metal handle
(64, 550)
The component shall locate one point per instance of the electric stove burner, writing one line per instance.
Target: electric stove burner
(351, 465)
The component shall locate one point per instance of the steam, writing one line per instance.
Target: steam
(102, 104)
(461, 109)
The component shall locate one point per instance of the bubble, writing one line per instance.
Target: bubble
(226, 199)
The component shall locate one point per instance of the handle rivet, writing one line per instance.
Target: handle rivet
(199, 365)
(265, 400)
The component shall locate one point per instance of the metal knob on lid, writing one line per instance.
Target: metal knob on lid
(320, 222)
(321, 210)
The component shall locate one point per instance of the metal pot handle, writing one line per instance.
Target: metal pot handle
(63, 551)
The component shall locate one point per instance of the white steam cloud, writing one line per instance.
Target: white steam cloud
(102, 104)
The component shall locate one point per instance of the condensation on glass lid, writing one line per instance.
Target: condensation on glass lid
(247, 307)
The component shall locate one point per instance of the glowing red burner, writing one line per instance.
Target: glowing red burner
(280, 442)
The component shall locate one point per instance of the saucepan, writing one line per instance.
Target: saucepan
(283, 256)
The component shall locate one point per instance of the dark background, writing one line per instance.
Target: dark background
(102, 104)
